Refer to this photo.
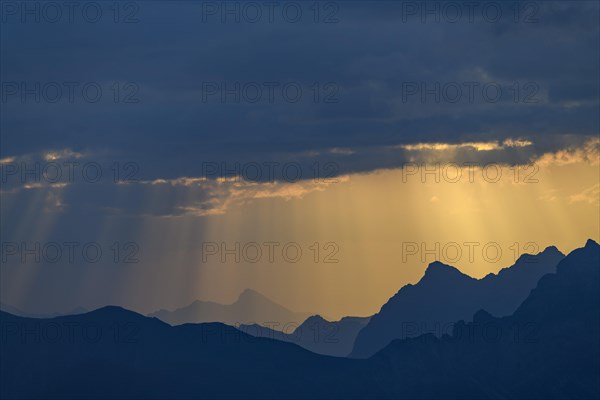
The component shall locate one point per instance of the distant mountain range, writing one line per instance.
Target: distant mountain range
(15, 311)
(317, 334)
(445, 295)
(115, 353)
(250, 308)
(547, 348)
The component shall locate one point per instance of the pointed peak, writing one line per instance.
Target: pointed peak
(552, 250)
(439, 264)
(314, 319)
(438, 268)
(591, 244)
(250, 294)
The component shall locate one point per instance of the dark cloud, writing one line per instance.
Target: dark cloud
(362, 68)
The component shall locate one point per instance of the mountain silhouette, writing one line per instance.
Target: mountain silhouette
(333, 338)
(548, 348)
(115, 353)
(251, 307)
(445, 295)
(16, 311)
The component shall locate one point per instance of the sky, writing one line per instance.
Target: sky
(321, 153)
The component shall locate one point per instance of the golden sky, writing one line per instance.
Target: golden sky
(381, 228)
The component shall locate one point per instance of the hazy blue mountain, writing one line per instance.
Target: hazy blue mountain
(548, 348)
(445, 295)
(250, 308)
(333, 338)
(15, 311)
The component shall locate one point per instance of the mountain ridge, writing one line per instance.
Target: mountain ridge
(560, 358)
(250, 307)
(444, 295)
(331, 338)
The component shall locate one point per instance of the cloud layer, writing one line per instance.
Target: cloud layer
(186, 87)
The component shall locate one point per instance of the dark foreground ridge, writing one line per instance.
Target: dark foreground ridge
(548, 348)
